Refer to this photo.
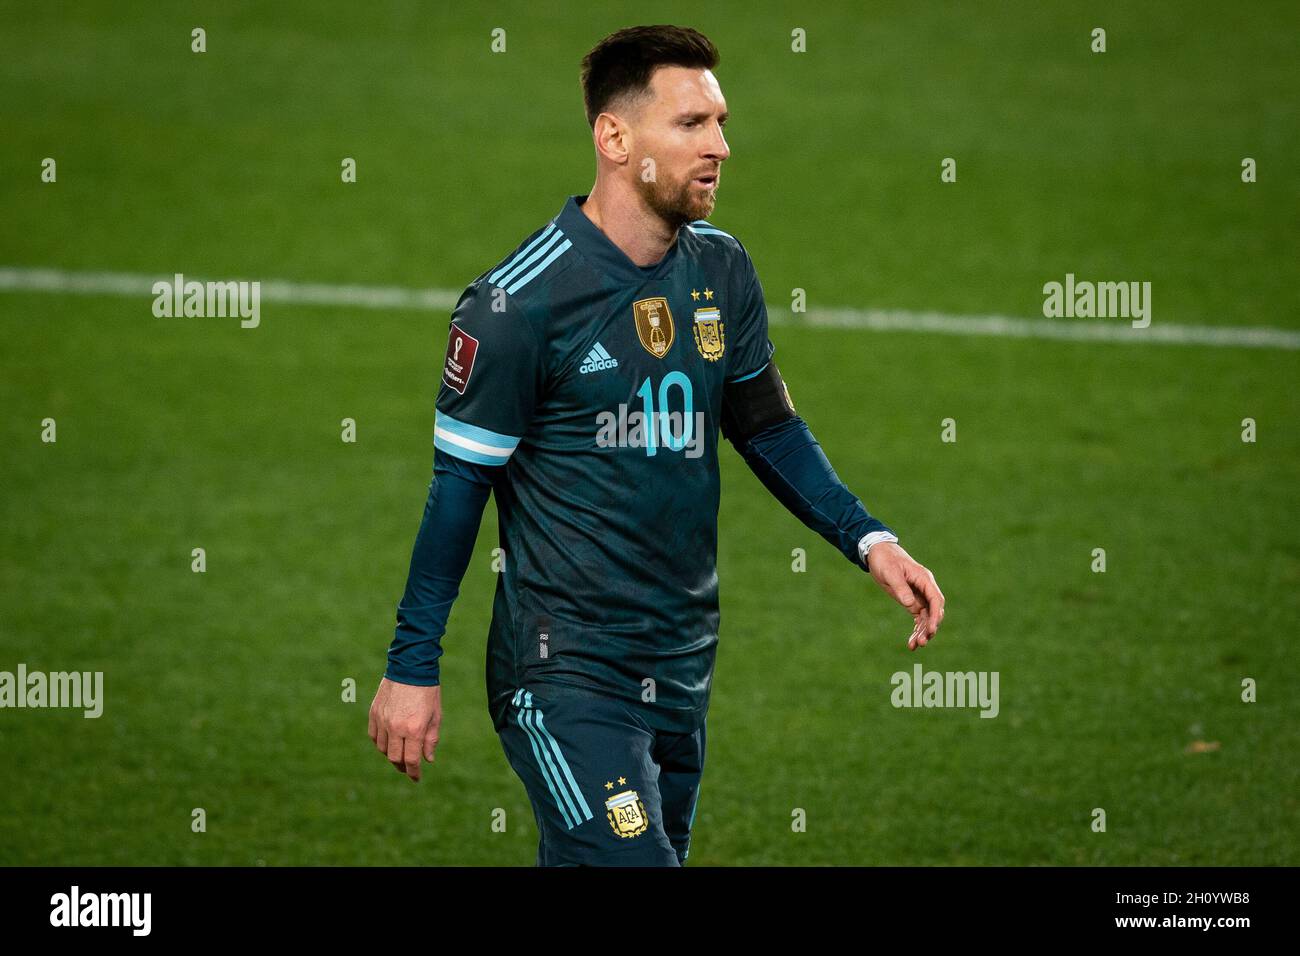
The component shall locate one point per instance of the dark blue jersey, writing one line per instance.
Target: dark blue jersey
(596, 385)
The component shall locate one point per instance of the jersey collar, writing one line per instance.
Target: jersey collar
(600, 251)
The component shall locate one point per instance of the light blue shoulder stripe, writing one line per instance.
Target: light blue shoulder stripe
(555, 254)
(524, 263)
(523, 252)
(708, 229)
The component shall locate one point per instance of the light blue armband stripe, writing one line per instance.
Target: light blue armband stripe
(745, 378)
(479, 445)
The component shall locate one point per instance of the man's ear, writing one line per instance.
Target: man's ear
(610, 135)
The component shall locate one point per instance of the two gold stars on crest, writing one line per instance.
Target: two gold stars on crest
(609, 784)
(708, 295)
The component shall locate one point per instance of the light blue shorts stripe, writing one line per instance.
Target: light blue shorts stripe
(564, 765)
(542, 761)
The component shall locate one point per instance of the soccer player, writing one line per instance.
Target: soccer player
(587, 379)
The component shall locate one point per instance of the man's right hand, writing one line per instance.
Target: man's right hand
(404, 723)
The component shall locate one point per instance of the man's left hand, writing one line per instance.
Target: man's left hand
(911, 585)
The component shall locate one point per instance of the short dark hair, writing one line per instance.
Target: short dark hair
(623, 63)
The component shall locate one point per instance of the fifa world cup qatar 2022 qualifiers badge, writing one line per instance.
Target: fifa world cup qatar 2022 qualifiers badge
(626, 814)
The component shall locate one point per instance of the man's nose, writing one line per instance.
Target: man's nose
(717, 147)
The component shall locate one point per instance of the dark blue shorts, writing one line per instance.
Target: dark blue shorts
(606, 788)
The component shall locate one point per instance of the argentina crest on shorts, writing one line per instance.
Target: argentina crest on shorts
(626, 814)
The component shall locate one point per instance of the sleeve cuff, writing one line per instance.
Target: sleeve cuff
(870, 540)
(401, 675)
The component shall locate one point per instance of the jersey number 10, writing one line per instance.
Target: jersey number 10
(674, 439)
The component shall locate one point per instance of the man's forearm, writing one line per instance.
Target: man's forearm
(792, 466)
(458, 493)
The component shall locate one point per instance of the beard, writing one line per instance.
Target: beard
(677, 203)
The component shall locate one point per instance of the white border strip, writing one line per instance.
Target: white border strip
(58, 281)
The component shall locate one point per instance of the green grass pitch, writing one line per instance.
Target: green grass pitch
(223, 689)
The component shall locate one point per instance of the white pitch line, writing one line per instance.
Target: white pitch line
(58, 281)
(1117, 330)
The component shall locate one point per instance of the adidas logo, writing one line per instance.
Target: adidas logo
(597, 360)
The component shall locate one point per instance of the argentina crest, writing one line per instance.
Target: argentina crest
(626, 814)
(708, 333)
(654, 325)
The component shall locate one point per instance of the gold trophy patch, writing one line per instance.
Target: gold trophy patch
(654, 325)
(626, 814)
(708, 333)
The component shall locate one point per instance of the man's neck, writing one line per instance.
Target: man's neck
(624, 219)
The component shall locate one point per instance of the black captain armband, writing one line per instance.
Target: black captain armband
(753, 404)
